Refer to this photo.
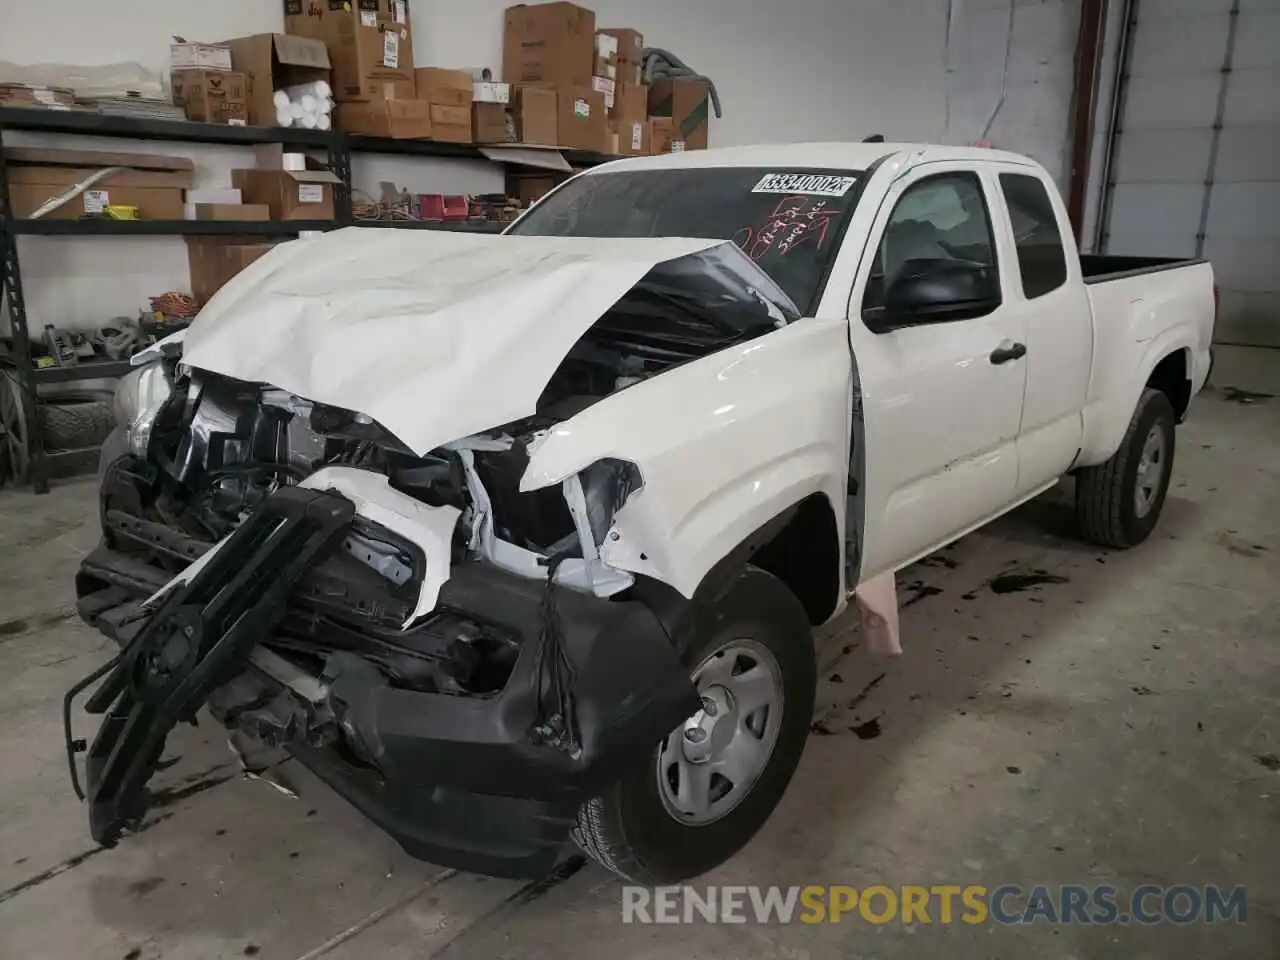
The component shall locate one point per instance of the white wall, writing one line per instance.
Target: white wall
(786, 71)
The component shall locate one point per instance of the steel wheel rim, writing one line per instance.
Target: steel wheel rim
(1151, 468)
(13, 430)
(709, 764)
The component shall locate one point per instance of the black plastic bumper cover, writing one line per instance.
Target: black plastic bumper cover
(456, 779)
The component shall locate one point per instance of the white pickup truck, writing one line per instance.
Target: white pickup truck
(522, 538)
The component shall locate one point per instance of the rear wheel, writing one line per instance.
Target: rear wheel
(712, 783)
(1118, 502)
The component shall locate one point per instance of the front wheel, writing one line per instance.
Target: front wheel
(1118, 502)
(712, 783)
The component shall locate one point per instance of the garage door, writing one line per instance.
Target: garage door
(1196, 162)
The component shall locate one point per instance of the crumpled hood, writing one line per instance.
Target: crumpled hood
(435, 335)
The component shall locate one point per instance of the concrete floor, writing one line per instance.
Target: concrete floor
(1119, 726)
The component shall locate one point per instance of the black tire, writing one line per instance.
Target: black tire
(1105, 509)
(629, 830)
(74, 422)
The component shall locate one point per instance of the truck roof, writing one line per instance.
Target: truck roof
(849, 156)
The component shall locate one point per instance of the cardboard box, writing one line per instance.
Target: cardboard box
(199, 56)
(549, 43)
(271, 61)
(214, 261)
(46, 157)
(493, 123)
(152, 183)
(583, 121)
(606, 62)
(687, 102)
(290, 194)
(213, 96)
(450, 124)
(369, 41)
(397, 119)
(449, 93)
(449, 88)
(231, 211)
(607, 87)
(630, 102)
(70, 176)
(628, 138)
(486, 91)
(536, 116)
(660, 136)
(530, 189)
(153, 203)
(628, 55)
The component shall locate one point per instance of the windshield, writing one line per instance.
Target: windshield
(787, 221)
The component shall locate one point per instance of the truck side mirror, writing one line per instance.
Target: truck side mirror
(937, 291)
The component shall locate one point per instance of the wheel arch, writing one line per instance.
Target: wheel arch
(1172, 377)
(800, 546)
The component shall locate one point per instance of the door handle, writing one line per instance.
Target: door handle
(1008, 351)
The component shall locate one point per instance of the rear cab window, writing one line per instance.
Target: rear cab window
(789, 222)
(1042, 259)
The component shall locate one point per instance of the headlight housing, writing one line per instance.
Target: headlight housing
(139, 399)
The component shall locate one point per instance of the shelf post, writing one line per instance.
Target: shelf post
(11, 280)
(340, 165)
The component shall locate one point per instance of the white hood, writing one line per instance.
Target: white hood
(435, 335)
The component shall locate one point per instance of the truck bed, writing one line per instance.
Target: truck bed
(1099, 268)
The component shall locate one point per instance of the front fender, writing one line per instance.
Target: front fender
(723, 445)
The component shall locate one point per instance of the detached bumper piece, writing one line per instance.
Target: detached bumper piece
(198, 639)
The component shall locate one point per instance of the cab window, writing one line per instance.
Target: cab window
(1042, 261)
(939, 226)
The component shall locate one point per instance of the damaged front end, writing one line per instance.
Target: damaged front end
(449, 652)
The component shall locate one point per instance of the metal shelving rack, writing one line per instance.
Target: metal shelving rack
(337, 146)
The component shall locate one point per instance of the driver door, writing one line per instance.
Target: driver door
(942, 392)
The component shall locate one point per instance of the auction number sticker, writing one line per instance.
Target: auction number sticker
(804, 184)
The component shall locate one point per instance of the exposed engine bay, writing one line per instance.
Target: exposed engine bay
(219, 448)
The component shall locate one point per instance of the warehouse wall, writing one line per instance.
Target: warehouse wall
(800, 70)
(1196, 162)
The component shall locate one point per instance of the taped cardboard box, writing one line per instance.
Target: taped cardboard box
(486, 91)
(582, 120)
(628, 138)
(660, 129)
(687, 101)
(184, 55)
(549, 43)
(630, 102)
(150, 182)
(212, 96)
(272, 61)
(370, 44)
(397, 119)
(536, 115)
(153, 203)
(530, 188)
(450, 124)
(449, 92)
(628, 53)
(494, 123)
(214, 261)
(606, 62)
(605, 86)
(289, 194)
(231, 211)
